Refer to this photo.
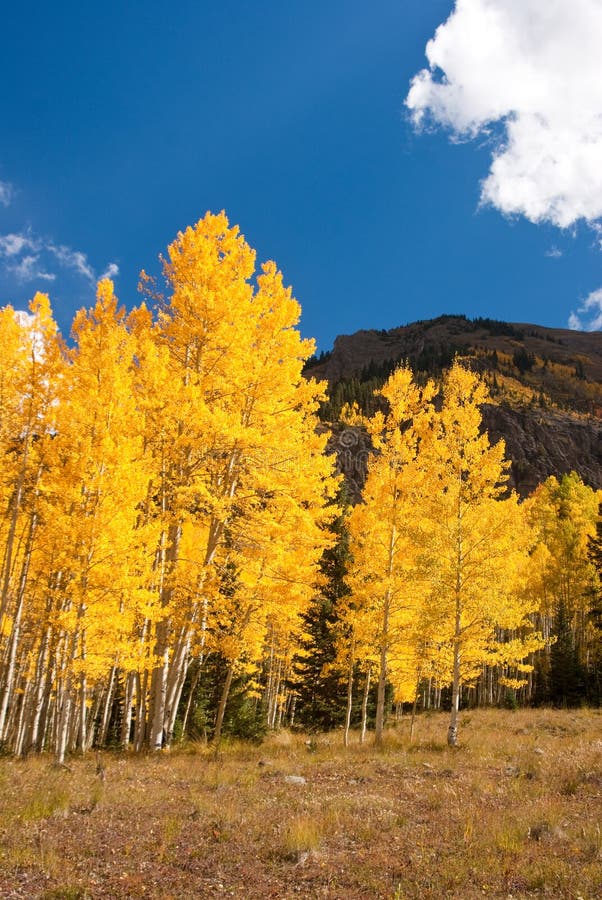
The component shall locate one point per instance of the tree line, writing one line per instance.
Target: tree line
(176, 550)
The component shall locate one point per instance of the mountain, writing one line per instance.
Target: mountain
(545, 383)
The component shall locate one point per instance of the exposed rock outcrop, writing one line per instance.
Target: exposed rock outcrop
(554, 427)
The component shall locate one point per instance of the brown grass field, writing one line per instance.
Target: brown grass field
(514, 811)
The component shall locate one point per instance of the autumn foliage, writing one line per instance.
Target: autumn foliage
(167, 497)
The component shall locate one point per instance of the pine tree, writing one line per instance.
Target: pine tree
(317, 677)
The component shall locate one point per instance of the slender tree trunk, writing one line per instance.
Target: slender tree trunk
(126, 719)
(159, 694)
(141, 711)
(452, 732)
(41, 690)
(191, 693)
(349, 702)
(21, 725)
(274, 697)
(16, 628)
(178, 670)
(380, 695)
(379, 727)
(106, 710)
(63, 722)
(414, 707)
(365, 705)
(12, 531)
(219, 721)
(82, 730)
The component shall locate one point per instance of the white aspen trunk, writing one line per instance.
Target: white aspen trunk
(16, 629)
(141, 711)
(21, 726)
(269, 681)
(15, 709)
(159, 696)
(276, 692)
(126, 719)
(452, 731)
(382, 683)
(414, 707)
(217, 735)
(12, 531)
(7, 688)
(81, 731)
(382, 674)
(365, 705)
(282, 705)
(168, 555)
(106, 709)
(62, 730)
(349, 701)
(178, 670)
(40, 693)
(191, 693)
(92, 711)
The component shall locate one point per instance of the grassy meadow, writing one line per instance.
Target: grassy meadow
(514, 811)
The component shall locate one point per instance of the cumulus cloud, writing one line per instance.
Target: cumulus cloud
(554, 253)
(28, 257)
(6, 193)
(589, 315)
(527, 74)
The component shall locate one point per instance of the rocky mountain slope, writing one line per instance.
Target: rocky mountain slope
(546, 387)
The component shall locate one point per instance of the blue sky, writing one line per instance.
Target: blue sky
(124, 123)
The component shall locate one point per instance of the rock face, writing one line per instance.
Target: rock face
(353, 352)
(553, 427)
(541, 444)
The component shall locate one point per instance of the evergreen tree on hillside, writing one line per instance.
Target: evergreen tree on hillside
(317, 681)
(566, 673)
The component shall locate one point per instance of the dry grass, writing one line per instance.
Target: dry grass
(514, 812)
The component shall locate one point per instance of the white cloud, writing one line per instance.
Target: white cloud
(6, 193)
(589, 315)
(14, 244)
(535, 68)
(28, 269)
(29, 257)
(72, 259)
(111, 271)
(554, 253)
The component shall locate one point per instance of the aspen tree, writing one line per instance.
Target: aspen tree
(384, 576)
(478, 540)
(99, 487)
(30, 372)
(564, 513)
(236, 453)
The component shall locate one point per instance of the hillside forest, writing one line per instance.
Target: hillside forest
(181, 558)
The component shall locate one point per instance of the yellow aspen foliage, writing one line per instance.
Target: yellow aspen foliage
(99, 487)
(31, 369)
(385, 580)
(564, 514)
(478, 541)
(236, 453)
